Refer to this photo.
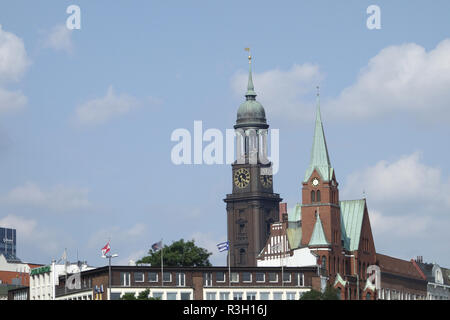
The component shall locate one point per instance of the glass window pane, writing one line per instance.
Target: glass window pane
(260, 277)
(171, 296)
(153, 276)
(210, 296)
(234, 277)
(139, 277)
(290, 295)
(286, 277)
(180, 279)
(264, 295)
(237, 296)
(277, 295)
(220, 276)
(185, 296)
(246, 277)
(224, 296)
(251, 295)
(273, 277)
(157, 295)
(167, 277)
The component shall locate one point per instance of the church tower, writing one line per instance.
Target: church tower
(321, 217)
(252, 206)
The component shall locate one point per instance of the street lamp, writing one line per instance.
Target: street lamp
(109, 256)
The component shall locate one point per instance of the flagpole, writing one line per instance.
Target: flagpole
(229, 267)
(162, 264)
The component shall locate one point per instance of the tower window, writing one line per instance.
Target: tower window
(242, 256)
(318, 195)
(313, 196)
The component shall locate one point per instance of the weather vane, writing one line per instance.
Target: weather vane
(249, 55)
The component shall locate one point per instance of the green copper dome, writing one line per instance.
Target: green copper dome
(251, 113)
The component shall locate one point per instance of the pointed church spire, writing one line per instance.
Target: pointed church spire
(250, 95)
(319, 151)
(318, 237)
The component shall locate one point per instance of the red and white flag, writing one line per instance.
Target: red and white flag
(106, 249)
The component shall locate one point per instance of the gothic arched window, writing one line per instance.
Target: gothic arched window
(324, 261)
(313, 196)
(318, 195)
(242, 256)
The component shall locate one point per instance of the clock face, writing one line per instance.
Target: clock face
(241, 177)
(315, 182)
(266, 181)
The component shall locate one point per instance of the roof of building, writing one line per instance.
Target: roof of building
(251, 112)
(318, 237)
(320, 159)
(295, 214)
(397, 266)
(352, 213)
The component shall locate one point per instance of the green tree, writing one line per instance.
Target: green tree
(312, 295)
(128, 296)
(179, 254)
(329, 294)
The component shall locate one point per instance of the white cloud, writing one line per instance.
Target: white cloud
(119, 236)
(31, 234)
(13, 57)
(209, 241)
(406, 180)
(408, 203)
(403, 79)
(11, 101)
(58, 198)
(60, 39)
(100, 110)
(13, 64)
(282, 93)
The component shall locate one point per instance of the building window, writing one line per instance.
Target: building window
(368, 296)
(138, 277)
(115, 296)
(246, 277)
(220, 276)
(207, 279)
(300, 279)
(171, 296)
(125, 279)
(237, 295)
(260, 277)
(234, 277)
(273, 277)
(210, 296)
(278, 296)
(264, 295)
(318, 195)
(339, 293)
(153, 276)
(251, 295)
(224, 296)
(313, 196)
(167, 277)
(286, 277)
(242, 256)
(180, 279)
(290, 295)
(157, 295)
(241, 228)
(185, 296)
(324, 263)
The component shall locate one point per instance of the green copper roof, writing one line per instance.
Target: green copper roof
(318, 236)
(352, 213)
(294, 235)
(319, 152)
(251, 112)
(295, 214)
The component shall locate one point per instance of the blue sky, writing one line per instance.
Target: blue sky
(86, 117)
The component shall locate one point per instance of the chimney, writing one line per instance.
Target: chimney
(283, 212)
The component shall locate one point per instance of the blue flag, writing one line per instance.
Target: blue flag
(223, 246)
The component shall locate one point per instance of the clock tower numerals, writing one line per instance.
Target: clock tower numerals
(241, 178)
(266, 180)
